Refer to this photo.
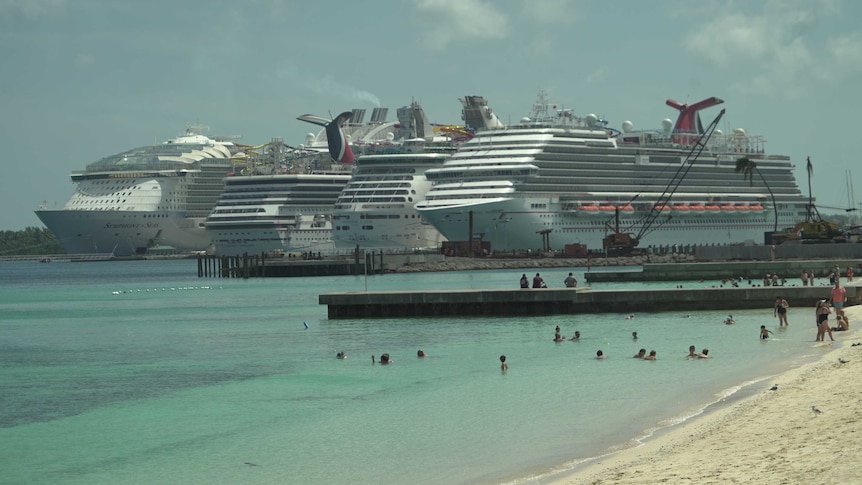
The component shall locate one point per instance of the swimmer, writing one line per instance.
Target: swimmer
(641, 354)
(634, 335)
(630, 317)
(729, 320)
(384, 359)
(503, 365)
(764, 332)
(576, 336)
(651, 355)
(704, 354)
(600, 354)
(692, 352)
(341, 355)
(421, 353)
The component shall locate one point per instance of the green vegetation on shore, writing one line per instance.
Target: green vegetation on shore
(32, 240)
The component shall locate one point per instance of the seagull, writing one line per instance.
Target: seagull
(842, 360)
(816, 411)
(774, 387)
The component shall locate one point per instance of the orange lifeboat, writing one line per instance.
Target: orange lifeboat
(756, 207)
(589, 208)
(741, 208)
(627, 209)
(607, 208)
(681, 208)
(662, 208)
(728, 208)
(697, 207)
(712, 208)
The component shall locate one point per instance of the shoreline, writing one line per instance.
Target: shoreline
(767, 436)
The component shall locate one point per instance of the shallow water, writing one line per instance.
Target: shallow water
(139, 372)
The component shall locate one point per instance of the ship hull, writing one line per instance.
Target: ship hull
(124, 233)
(510, 225)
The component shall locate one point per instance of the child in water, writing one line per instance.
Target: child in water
(764, 332)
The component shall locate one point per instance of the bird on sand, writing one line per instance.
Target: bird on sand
(842, 360)
(816, 411)
(774, 387)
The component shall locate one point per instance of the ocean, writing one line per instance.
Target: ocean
(140, 372)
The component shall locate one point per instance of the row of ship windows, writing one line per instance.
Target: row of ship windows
(377, 216)
(374, 199)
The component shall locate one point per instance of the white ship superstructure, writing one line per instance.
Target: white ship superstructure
(279, 202)
(376, 210)
(564, 178)
(143, 198)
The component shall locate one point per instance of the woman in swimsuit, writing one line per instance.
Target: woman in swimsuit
(780, 310)
(823, 312)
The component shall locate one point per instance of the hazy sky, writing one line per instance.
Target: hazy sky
(83, 79)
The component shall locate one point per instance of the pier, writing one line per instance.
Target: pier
(755, 270)
(555, 301)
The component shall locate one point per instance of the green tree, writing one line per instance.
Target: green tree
(32, 240)
(748, 168)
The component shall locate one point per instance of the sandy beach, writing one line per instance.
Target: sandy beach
(773, 436)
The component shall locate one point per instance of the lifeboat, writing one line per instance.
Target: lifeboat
(728, 208)
(697, 207)
(755, 207)
(741, 208)
(589, 208)
(607, 208)
(662, 208)
(627, 209)
(712, 208)
(681, 208)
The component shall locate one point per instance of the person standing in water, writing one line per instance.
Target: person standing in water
(780, 310)
(764, 332)
(503, 365)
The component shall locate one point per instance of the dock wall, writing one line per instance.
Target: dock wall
(548, 301)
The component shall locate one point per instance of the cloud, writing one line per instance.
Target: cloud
(32, 8)
(326, 84)
(777, 49)
(598, 75)
(455, 21)
(550, 11)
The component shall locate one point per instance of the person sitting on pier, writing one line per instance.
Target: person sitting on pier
(538, 281)
(525, 283)
(570, 281)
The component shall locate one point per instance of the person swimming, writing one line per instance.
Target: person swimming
(729, 320)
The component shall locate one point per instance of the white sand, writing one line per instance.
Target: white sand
(771, 437)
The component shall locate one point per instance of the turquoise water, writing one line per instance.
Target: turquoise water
(139, 372)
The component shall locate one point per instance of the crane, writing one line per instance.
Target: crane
(624, 243)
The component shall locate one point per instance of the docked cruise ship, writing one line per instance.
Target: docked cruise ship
(280, 201)
(556, 179)
(283, 199)
(154, 196)
(376, 210)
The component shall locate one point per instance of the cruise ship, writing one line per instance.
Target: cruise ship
(282, 201)
(556, 179)
(153, 196)
(376, 210)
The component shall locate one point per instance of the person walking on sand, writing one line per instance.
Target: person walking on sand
(780, 310)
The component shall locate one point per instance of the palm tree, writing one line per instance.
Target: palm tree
(748, 168)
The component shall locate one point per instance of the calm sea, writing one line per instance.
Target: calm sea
(139, 372)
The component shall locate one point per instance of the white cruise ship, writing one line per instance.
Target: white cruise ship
(282, 201)
(376, 208)
(562, 178)
(279, 202)
(143, 198)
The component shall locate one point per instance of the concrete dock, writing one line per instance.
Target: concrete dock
(552, 301)
(718, 270)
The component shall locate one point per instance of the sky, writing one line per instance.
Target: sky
(84, 79)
